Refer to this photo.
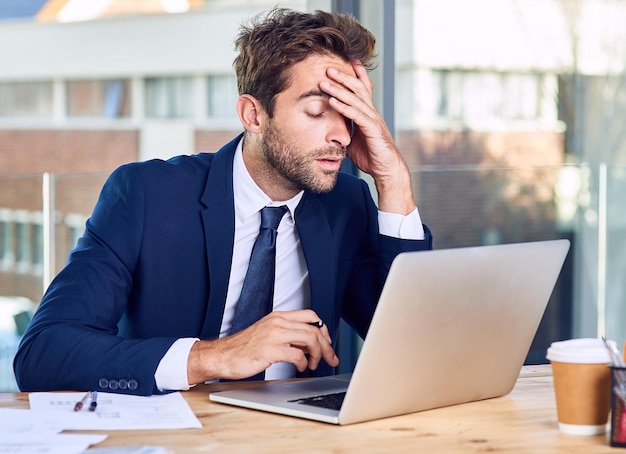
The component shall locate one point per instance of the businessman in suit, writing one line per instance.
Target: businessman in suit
(148, 297)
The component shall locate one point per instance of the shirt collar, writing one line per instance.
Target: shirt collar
(249, 198)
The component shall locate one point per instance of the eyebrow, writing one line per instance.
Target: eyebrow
(312, 93)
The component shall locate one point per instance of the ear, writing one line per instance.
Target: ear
(251, 113)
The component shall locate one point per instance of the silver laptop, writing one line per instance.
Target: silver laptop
(452, 326)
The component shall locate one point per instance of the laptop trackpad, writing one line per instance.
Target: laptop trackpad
(296, 389)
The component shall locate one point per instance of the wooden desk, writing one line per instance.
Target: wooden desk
(523, 421)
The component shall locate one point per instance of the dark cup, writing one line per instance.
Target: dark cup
(618, 406)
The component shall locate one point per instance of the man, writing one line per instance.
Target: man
(147, 299)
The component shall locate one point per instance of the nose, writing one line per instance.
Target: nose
(340, 131)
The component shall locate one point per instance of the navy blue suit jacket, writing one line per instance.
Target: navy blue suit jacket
(153, 266)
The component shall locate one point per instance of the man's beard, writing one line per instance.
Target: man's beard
(298, 168)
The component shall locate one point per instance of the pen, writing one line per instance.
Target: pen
(318, 323)
(94, 401)
(81, 402)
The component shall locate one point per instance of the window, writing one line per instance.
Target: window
(75, 224)
(169, 97)
(222, 96)
(36, 239)
(7, 241)
(25, 99)
(21, 241)
(478, 96)
(23, 246)
(98, 98)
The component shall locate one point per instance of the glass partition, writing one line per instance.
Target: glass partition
(41, 218)
(464, 206)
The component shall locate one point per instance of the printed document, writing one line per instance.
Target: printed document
(117, 411)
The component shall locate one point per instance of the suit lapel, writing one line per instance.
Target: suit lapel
(219, 230)
(316, 241)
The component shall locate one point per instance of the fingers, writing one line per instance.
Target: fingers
(348, 103)
(356, 92)
(361, 73)
(361, 84)
(309, 343)
(352, 96)
(309, 337)
(306, 316)
(316, 346)
(290, 336)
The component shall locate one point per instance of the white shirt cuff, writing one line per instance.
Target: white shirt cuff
(407, 227)
(171, 374)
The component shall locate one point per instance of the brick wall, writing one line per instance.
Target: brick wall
(208, 141)
(66, 151)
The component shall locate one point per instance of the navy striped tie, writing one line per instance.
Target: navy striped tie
(257, 293)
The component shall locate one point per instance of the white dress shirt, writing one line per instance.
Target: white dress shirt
(171, 374)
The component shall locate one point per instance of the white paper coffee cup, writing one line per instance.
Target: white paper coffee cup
(582, 384)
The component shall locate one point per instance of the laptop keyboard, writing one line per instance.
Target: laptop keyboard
(331, 401)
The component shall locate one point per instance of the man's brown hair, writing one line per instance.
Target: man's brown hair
(271, 44)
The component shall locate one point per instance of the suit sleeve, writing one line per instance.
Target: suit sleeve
(72, 341)
(370, 267)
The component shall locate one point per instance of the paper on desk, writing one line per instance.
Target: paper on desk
(47, 443)
(118, 411)
(24, 431)
(23, 422)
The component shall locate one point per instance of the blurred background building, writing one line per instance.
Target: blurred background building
(508, 112)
